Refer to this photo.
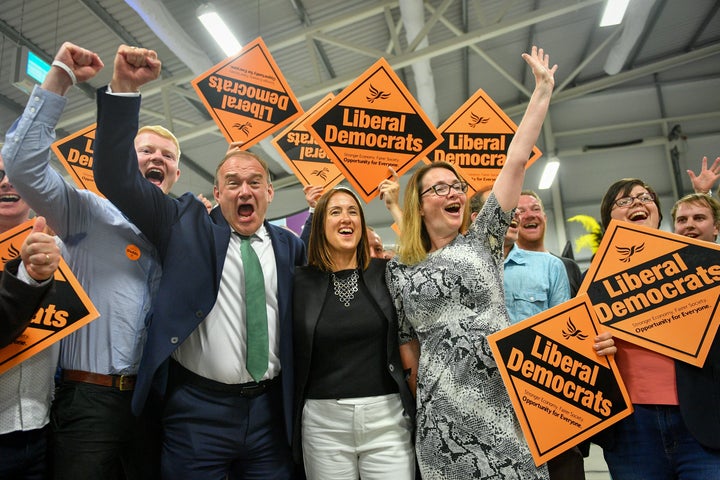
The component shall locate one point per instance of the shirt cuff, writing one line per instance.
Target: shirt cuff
(122, 94)
(24, 276)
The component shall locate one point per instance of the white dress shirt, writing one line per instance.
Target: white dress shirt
(216, 349)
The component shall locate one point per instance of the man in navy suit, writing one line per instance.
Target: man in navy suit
(218, 422)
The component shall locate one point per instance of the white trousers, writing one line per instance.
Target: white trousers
(354, 438)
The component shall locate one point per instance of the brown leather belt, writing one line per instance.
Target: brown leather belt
(121, 382)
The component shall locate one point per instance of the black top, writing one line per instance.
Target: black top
(349, 356)
(312, 287)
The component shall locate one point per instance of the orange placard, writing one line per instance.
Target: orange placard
(63, 311)
(247, 95)
(657, 290)
(75, 152)
(562, 391)
(476, 139)
(304, 155)
(373, 124)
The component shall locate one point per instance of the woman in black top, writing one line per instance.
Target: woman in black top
(354, 409)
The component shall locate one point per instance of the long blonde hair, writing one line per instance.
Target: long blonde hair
(415, 240)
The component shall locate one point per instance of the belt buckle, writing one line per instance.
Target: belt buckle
(253, 391)
(125, 383)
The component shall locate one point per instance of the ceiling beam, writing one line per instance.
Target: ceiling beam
(626, 76)
(447, 46)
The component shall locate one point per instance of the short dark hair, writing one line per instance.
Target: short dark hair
(623, 186)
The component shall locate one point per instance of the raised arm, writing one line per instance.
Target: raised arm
(390, 194)
(509, 182)
(27, 151)
(115, 164)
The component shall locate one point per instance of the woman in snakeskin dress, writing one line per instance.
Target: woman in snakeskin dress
(447, 288)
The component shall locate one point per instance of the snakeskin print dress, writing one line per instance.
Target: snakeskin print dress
(466, 427)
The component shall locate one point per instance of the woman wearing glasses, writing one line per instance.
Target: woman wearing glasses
(447, 288)
(355, 411)
(654, 441)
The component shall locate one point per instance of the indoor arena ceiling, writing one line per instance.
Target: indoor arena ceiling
(639, 99)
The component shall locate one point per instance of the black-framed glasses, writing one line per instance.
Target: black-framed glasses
(2, 175)
(645, 197)
(443, 189)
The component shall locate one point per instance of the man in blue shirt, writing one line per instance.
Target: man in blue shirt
(95, 433)
(536, 280)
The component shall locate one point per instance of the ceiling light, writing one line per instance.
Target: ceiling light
(548, 175)
(209, 17)
(614, 12)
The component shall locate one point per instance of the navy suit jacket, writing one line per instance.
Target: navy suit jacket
(192, 245)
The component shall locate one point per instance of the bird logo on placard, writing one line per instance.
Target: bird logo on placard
(376, 94)
(628, 252)
(573, 331)
(12, 252)
(476, 119)
(321, 173)
(243, 127)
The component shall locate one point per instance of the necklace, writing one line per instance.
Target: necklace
(345, 288)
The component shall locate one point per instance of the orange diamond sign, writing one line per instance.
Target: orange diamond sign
(657, 290)
(64, 310)
(307, 159)
(75, 152)
(247, 95)
(562, 391)
(475, 140)
(373, 124)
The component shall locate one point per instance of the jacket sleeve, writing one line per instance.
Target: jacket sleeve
(18, 302)
(115, 167)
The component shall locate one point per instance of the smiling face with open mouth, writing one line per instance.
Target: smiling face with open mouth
(442, 214)
(343, 227)
(532, 221)
(638, 211)
(157, 159)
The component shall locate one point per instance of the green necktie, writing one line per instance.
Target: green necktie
(255, 312)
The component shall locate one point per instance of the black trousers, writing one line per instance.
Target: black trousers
(96, 436)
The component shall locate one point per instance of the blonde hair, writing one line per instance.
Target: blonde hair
(163, 132)
(415, 240)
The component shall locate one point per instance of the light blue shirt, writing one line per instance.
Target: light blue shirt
(534, 282)
(96, 237)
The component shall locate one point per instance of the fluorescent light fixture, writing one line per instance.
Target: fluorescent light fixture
(548, 175)
(614, 12)
(216, 27)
